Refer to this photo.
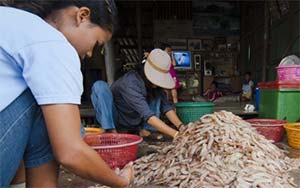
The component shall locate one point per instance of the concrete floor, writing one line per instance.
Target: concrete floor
(70, 180)
(296, 175)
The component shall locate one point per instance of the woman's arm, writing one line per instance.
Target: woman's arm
(158, 124)
(172, 116)
(63, 125)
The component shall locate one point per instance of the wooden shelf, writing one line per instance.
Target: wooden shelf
(222, 76)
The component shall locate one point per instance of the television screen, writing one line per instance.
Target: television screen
(183, 59)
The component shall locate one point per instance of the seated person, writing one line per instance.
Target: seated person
(247, 88)
(212, 93)
(136, 100)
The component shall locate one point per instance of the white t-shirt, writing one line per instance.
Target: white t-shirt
(247, 88)
(34, 54)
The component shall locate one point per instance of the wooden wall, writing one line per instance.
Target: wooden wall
(283, 37)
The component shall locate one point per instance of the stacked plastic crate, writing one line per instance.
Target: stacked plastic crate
(280, 99)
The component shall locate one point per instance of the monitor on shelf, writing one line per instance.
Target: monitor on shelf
(183, 60)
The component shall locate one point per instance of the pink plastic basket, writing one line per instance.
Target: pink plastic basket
(115, 149)
(288, 72)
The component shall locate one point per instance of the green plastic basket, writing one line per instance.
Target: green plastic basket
(192, 111)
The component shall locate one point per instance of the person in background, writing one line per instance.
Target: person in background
(167, 48)
(212, 93)
(137, 99)
(247, 88)
(40, 49)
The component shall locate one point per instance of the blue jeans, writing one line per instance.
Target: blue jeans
(102, 100)
(106, 111)
(23, 135)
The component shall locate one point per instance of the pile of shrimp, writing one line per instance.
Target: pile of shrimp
(218, 150)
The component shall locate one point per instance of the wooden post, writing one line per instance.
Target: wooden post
(266, 43)
(139, 31)
(110, 62)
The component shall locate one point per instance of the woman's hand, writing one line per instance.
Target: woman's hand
(63, 126)
(182, 128)
(158, 124)
(128, 174)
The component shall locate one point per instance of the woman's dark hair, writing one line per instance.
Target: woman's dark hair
(148, 49)
(247, 81)
(164, 45)
(248, 73)
(103, 12)
(152, 93)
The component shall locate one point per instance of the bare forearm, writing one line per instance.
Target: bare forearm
(172, 116)
(89, 165)
(63, 125)
(161, 126)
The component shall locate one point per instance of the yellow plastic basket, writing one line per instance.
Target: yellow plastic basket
(91, 130)
(293, 134)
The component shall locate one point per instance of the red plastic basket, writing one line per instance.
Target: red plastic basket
(279, 84)
(115, 149)
(272, 129)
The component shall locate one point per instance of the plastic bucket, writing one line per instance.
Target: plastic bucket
(272, 129)
(293, 134)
